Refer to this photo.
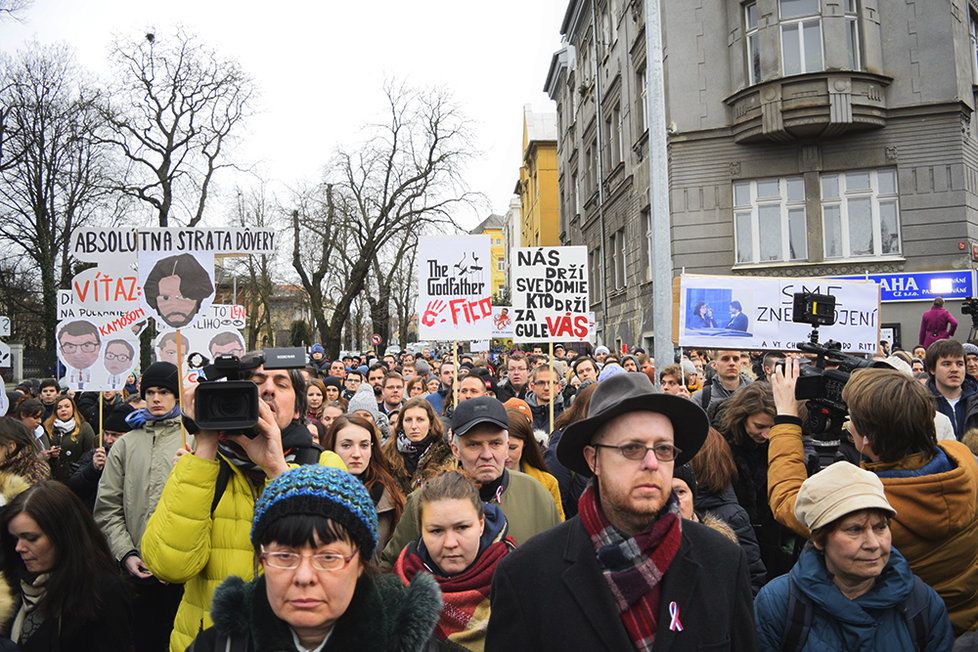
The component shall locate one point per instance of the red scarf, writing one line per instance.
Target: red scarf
(633, 566)
(465, 614)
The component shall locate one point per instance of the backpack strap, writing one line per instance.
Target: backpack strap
(799, 623)
(915, 613)
(223, 478)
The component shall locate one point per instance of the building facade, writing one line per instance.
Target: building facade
(537, 186)
(806, 138)
(494, 226)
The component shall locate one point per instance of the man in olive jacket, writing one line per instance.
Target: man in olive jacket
(130, 487)
(480, 442)
(626, 573)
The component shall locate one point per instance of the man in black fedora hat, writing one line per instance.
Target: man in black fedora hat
(627, 572)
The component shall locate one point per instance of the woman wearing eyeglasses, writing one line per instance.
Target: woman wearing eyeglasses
(70, 435)
(314, 531)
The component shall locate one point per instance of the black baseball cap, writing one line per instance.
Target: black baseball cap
(484, 409)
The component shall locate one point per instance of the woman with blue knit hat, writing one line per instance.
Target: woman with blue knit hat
(314, 531)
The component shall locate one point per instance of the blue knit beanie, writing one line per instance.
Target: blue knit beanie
(315, 490)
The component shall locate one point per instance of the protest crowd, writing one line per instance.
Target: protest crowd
(511, 501)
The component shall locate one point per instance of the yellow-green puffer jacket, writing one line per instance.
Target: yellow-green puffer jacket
(182, 544)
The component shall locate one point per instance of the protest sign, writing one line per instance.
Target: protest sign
(225, 241)
(740, 312)
(105, 246)
(198, 348)
(4, 326)
(454, 288)
(550, 294)
(176, 286)
(80, 346)
(221, 316)
(5, 358)
(502, 322)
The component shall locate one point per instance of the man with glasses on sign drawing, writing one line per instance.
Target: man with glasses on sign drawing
(79, 345)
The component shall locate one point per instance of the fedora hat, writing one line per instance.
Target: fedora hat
(631, 392)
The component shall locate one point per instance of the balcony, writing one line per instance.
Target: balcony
(814, 105)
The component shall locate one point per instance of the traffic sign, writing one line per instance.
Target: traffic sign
(376, 339)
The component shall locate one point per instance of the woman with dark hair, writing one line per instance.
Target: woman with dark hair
(332, 388)
(18, 452)
(314, 532)
(525, 455)
(715, 470)
(571, 485)
(357, 442)
(315, 400)
(462, 542)
(415, 387)
(417, 450)
(702, 317)
(71, 595)
(70, 436)
(746, 419)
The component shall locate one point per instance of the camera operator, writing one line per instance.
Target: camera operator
(199, 534)
(932, 486)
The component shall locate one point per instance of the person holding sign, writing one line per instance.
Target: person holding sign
(199, 533)
(135, 471)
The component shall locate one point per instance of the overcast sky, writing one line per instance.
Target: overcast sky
(320, 67)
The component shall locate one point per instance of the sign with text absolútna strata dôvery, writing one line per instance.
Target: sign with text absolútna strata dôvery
(921, 286)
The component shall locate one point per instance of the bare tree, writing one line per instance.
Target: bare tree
(14, 7)
(404, 293)
(57, 182)
(407, 174)
(174, 113)
(255, 210)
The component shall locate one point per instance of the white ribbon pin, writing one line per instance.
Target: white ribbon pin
(675, 625)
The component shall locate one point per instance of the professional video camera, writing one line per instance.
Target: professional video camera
(970, 307)
(821, 383)
(232, 405)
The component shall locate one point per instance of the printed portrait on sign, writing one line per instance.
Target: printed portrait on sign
(176, 288)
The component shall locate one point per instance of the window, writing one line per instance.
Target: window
(618, 258)
(769, 220)
(594, 267)
(974, 48)
(647, 225)
(607, 27)
(860, 213)
(501, 266)
(801, 36)
(642, 111)
(613, 137)
(753, 45)
(576, 189)
(852, 34)
(589, 186)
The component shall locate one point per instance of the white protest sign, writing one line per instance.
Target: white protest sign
(225, 242)
(5, 358)
(4, 401)
(177, 287)
(222, 316)
(741, 312)
(479, 346)
(80, 348)
(550, 294)
(454, 288)
(4, 326)
(110, 248)
(198, 347)
(502, 322)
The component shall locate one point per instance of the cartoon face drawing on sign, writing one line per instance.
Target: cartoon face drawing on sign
(226, 343)
(166, 347)
(119, 355)
(176, 287)
(79, 344)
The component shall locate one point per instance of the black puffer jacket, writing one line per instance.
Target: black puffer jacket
(724, 506)
(383, 616)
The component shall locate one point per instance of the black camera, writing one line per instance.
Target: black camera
(821, 383)
(225, 402)
(970, 307)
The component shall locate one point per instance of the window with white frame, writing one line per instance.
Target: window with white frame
(617, 245)
(860, 213)
(642, 112)
(753, 44)
(576, 189)
(501, 266)
(801, 36)
(613, 137)
(769, 220)
(595, 266)
(647, 225)
(852, 34)
(974, 47)
(589, 186)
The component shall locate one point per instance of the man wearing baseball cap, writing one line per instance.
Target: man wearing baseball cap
(626, 573)
(480, 442)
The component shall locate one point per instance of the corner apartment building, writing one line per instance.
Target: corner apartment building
(806, 138)
(494, 226)
(537, 185)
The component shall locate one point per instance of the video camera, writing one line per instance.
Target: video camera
(818, 384)
(970, 307)
(232, 405)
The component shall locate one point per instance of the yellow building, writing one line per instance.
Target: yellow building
(493, 226)
(537, 187)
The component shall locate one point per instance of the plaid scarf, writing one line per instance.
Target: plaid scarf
(465, 614)
(633, 566)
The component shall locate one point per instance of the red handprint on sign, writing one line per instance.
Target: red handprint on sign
(433, 310)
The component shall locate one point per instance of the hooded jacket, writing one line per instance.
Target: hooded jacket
(383, 616)
(541, 413)
(186, 543)
(873, 621)
(936, 522)
(962, 415)
(724, 506)
(135, 472)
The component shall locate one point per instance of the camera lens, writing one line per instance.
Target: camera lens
(228, 405)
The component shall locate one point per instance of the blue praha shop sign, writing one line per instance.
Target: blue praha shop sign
(922, 286)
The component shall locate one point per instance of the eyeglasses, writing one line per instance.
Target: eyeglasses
(543, 383)
(87, 347)
(636, 452)
(121, 357)
(329, 562)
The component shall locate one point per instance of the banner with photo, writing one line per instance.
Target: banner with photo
(454, 288)
(550, 294)
(502, 322)
(744, 312)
